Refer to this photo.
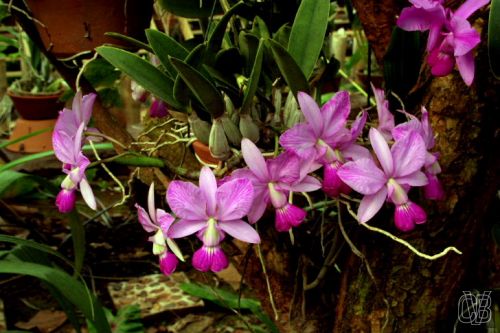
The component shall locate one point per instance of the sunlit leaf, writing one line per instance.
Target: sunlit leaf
(253, 80)
(141, 71)
(165, 46)
(308, 33)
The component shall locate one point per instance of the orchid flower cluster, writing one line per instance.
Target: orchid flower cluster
(451, 39)
(67, 140)
(215, 209)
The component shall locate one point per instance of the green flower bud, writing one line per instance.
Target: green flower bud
(248, 128)
(201, 128)
(292, 115)
(219, 147)
(232, 132)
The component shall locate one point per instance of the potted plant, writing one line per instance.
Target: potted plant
(36, 97)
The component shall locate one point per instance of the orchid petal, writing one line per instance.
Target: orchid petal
(254, 159)
(86, 108)
(382, 151)
(311, 112)
(466, 66)
(87, 194)
(415, 19)
(186, 200)
(234, 199)
(63, 147)
(307, 184)
(259, 205)
(469, 7)
(164, 220)
(363, 176)
(409, 154)
(371, 204)
(355, 152)
(427, 133)
(285, 168)
(335, 113)
(172, 245)
(240, 230)
(185, 228)
(358, 125)
(301, 140)
(144, 219)
(151, 202)
(208, 186)
(417, 178)
(465, 38)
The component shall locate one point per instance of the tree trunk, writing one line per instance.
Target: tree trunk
(411, 294)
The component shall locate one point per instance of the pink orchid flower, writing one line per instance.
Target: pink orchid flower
(272, 180)
(451, 37)
(433, 190)
(324, 138)
(158, 221)
(211, 211)
(399, 168)
(68, 150)
(385, 117)
(69, 120)
(158, 109)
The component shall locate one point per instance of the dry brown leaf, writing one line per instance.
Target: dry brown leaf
(45, 320)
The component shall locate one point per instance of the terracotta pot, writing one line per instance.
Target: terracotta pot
(203, 152)
(35, 144)
(37, 107)
(75, 26)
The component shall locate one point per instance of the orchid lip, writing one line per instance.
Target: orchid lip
(67, 183)
(398, 195)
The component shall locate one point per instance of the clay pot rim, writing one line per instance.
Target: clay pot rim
(40, 95)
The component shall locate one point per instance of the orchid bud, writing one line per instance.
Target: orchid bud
(158, 109)
(219, 147)
(248, 128)
(201, 128)
(232, 132)
(229, 105)
(292, 115)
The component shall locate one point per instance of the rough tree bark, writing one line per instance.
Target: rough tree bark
(411, 294)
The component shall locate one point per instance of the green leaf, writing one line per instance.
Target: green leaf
(206, 93)
(100, 73)
(292, 73)
(308, 33)
(37, 156)
(136, 159)
(494, 38)
(282, 36)
(69, 287)
(78, 237)
(145, 74)
(215, 40)
(15, 184)
(165, 46)
(259, 28)
(194, 58)
(24, 137)
(253, 80)
(132, 41)
(249, 43)
(190, 8)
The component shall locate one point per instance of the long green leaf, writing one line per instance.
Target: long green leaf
(136, 159)
(37, 156)
(202, 89)
(132, 41)
(215, 40)
(253, 80)
(190, 8)
(69, 287)
(144, 73)
(292, 73)
(194, 58)
(24, 137)
(308, 33)
(494, 38)
(165, 46)
(78, 238)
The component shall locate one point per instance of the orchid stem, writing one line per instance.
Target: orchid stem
(401, 241)
(80, 73)
(268, 283)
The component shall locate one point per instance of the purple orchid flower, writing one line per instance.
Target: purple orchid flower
(433, 190)
(68, 150)
(324, 138)
(69, 120)
(400, 168)
(211, 212)
(385, 117)
(451, 37)
(157, 221)
(272, 180)
(158, 109)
